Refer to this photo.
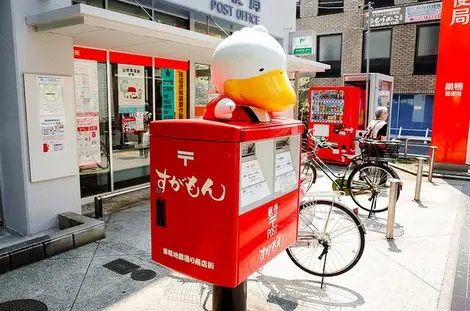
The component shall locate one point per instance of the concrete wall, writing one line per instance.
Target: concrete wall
(278, 16)
(29, 207)
(350, 25)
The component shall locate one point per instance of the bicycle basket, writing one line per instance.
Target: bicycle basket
(385, 150)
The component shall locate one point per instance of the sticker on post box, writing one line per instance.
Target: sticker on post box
(254, 193)
(189, 259)
(253, 184)
(251, 173)
(286, 178)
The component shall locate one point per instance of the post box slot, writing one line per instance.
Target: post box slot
(282, 143)
(248, 150)
(161, 213)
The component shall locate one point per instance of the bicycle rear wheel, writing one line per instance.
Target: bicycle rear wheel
(331, 239)
(369, 186)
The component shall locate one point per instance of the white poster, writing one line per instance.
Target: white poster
(88, 139)
(50, 95)
(53, 134)
(131, 84)
(86, 86)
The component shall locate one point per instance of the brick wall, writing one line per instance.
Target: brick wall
(350, 24)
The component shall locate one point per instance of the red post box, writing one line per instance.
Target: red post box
(224, 195)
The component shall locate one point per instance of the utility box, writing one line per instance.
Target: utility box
(224, 195)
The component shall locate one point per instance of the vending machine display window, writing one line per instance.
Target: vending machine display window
(327, 106)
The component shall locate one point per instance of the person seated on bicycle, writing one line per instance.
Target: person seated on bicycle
(377, 128)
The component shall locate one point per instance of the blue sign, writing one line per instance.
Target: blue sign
(235, 8)
(168, 93)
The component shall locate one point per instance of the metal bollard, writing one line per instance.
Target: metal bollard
(431, 162)
(392, 204)
(98, 207)
(419, 177)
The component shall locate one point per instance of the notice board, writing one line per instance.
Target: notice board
(51, 125)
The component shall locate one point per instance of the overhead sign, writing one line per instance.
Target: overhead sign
(243, 10)
(386, 17)
(423, 12)
(302, 45)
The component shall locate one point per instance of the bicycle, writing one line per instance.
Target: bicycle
(367, 173)
(103, 163)
(316, 219)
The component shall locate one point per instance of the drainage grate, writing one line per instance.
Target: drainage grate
(121, 266)
(143, 275)
(23, 305)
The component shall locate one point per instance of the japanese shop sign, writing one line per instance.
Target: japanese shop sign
(423, 12)
(451, 109)
(386, 17)
(131, 88)
(237, 9)
(180, 94)
(302, 45)
(168, 93)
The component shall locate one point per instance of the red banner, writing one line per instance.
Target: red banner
(451, 108)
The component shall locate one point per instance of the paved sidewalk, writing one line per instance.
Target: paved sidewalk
(413, 272)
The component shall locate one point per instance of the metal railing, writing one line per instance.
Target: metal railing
(99, 199)
(405, 152)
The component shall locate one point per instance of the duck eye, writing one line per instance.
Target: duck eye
(261, 69)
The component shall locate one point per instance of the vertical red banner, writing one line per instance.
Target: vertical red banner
(452, 98)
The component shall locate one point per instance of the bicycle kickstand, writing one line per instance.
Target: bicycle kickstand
(324, 253)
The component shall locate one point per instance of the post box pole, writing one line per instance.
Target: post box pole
(229, 299)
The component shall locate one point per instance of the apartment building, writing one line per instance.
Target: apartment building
(404, 36)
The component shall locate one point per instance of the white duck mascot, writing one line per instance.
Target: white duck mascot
(249, 71)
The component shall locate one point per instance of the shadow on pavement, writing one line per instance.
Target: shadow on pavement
(289, 294)
(379, 225)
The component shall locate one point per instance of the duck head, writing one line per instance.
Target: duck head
(250, 67)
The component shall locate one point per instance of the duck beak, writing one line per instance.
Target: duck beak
(271, 91)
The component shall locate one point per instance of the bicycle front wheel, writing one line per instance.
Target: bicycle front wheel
(309, 171)
(369, 185)
(330, 240)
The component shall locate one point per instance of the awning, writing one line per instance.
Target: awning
(103, 29)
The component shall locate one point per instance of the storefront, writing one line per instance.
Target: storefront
(115, 69)
(117, 95)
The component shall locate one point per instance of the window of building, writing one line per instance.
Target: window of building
(329, 52)
(379, 51)
(211, 30)
(171, 20)
(96, 3)
(379, 3)
(297, 9)
(412, 115)
(427, 44)
(204, 88)
(129, 9)
(330, 7)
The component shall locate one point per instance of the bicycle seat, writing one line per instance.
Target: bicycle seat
(348, 156)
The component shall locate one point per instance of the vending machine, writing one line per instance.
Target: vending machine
(336, 113)
(380, 92)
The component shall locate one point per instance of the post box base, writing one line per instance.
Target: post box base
(229, 299)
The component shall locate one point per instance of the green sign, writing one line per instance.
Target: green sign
(302, 45)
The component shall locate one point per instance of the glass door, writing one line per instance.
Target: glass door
(131, 113)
